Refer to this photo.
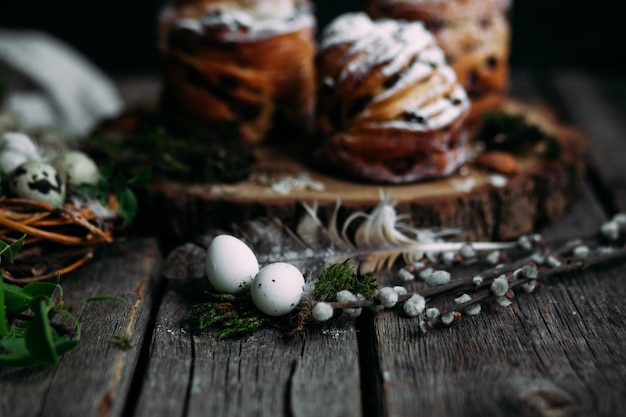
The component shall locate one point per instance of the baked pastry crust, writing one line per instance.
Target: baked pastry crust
(250, 62)
(389, 108)
(475, 36)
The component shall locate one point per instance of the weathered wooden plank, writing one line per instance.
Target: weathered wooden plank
(554, 352)
(95, 378)
(264, 374)
(590, 102)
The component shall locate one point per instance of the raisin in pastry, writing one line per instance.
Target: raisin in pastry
(390, 109)
(474, 35)
(246, 61)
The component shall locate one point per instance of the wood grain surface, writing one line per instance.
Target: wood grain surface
(264, 374)
(95, 378)
(555, 352)
(541, 192)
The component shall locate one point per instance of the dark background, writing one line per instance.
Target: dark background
(119, 35)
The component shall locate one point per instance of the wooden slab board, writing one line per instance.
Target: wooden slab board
(264, 374)
(553, 352)
(539, 193)
(94, 379)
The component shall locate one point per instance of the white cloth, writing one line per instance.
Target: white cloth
(70, 93)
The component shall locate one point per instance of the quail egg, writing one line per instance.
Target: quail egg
(230, 265)
(277, 289)
(15, 149)
(38, 181)
(76, 168)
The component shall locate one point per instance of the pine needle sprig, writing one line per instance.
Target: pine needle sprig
(233, 315)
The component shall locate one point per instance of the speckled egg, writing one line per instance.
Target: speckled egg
(76, 168)
(15, 149)
(37, 181)
(230, 264)
(277, 289)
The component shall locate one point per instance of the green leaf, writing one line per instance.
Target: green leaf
(17, 353)
(119, 182)
(4, 247)
(43, 289)
(15, 299)
(65, 343)
(9, 251)
(128, 204)
(107, 170)
(38, 337)
(141, 179)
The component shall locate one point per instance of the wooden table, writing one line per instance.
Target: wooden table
(556, 352)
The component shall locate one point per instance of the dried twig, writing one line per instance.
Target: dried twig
(51, 230)
(497, 283)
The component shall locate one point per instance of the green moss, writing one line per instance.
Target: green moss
(216, 156)
(123, 341)
(513, 133)
(235, 315)
(232, 315)
(338, 277)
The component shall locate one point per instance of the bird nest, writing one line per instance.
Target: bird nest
(57, 239)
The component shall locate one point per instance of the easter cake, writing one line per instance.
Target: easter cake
(242, 61)
(390, 109)
(474, 35)
(386, 105)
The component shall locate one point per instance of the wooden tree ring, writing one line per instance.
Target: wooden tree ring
(540, 191)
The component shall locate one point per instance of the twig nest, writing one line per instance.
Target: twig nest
(230, 264)
(15, 149)
(277, 289)
(38, 181)
(76, 168)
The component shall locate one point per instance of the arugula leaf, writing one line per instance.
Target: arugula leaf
(141, 179)
(30, 339)
(15, 299)
(65, 343)
(9, 251)
(17, 353)
(38, 337)
(128, 204)
(41, 289)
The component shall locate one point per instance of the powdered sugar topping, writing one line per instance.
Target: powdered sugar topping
(406, 55)
(260, 19)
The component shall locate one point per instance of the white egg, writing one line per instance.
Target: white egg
(76, 168)
(38, 181)
(15, 149)
(230, 264)
(277, 288)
